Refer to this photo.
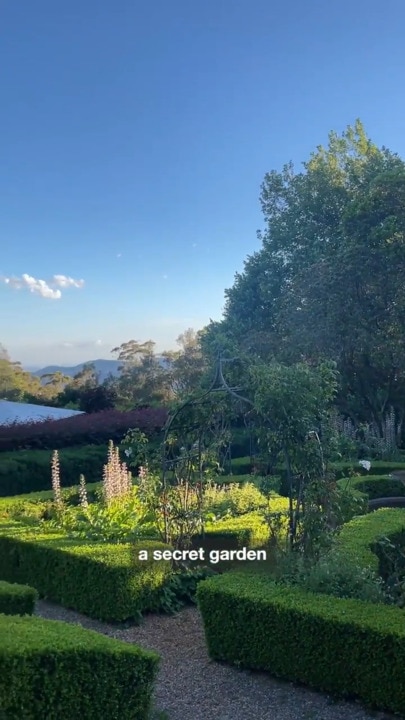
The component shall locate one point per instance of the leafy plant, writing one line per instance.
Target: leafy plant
(119, 522)
(181, 588)
(332, 574)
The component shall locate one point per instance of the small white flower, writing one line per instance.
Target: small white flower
(128, 452)
(365, 463)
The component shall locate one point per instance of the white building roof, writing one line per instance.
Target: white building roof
(11, 412)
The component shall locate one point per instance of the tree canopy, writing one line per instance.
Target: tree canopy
(327, 282)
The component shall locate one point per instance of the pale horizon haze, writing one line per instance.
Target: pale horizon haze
(135, 138)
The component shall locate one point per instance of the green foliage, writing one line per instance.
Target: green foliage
(103, 581)
(233, 500)
(375, 486)
(344, 469)
(53, 670)
(143, 381)
(343, 647)
(120, 521)
(16, 384)
(318, 286)
(17, 599)
(294, 404)
(391, 555)
(181, 588)
(332, 574)
(295, 399)
(249, 530)
(24, 471)
(358, 539)
(40, 505)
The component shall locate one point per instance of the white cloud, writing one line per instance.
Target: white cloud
(46, 289)
(65, 282)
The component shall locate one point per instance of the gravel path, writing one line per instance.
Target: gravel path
(191, 687)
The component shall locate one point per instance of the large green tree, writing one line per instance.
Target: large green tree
(187, 365)
(327, 282)
(16, 384)
(143, 380)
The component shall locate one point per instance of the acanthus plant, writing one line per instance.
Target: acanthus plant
(118, 516)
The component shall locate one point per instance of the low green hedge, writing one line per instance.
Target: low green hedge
(17, 599)
(24, 471)
(378, 467)
(71, 495)
(106, 582)
(344, 647)
(248, 530)
(359, 537)
(53, 670)
(375, 486)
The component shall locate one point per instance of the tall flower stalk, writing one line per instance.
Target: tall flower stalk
(117, 480)
(83, 492)
(56, 487)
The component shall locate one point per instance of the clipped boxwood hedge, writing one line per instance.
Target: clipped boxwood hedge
(378, 467)
(360, 536)
(17, 599)
(53, 670)
(249, 530)
(245, 531)
(71, 496)
(105, 582)
(375, 486)
(25, 471)
(344, 647)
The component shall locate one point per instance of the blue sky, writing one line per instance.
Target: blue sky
(135, 137)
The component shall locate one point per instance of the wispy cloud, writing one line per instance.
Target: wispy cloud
(49, 289)
(65, 282)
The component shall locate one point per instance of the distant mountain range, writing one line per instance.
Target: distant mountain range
(103, 368)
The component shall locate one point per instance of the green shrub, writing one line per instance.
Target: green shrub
(359, 538)
(53, 670)
(249, 530)
(106, 582)
(17, 599)
(375, 486)
(225, 480)
(334, 574)
(343, 647)
(181, 588)
(25, 471)
(378, 467)
(252, 530)
(234, 500)
(29, 503)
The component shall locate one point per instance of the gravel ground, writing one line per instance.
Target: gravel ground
(191, 687)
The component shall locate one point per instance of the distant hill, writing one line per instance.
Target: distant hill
(103, 368)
